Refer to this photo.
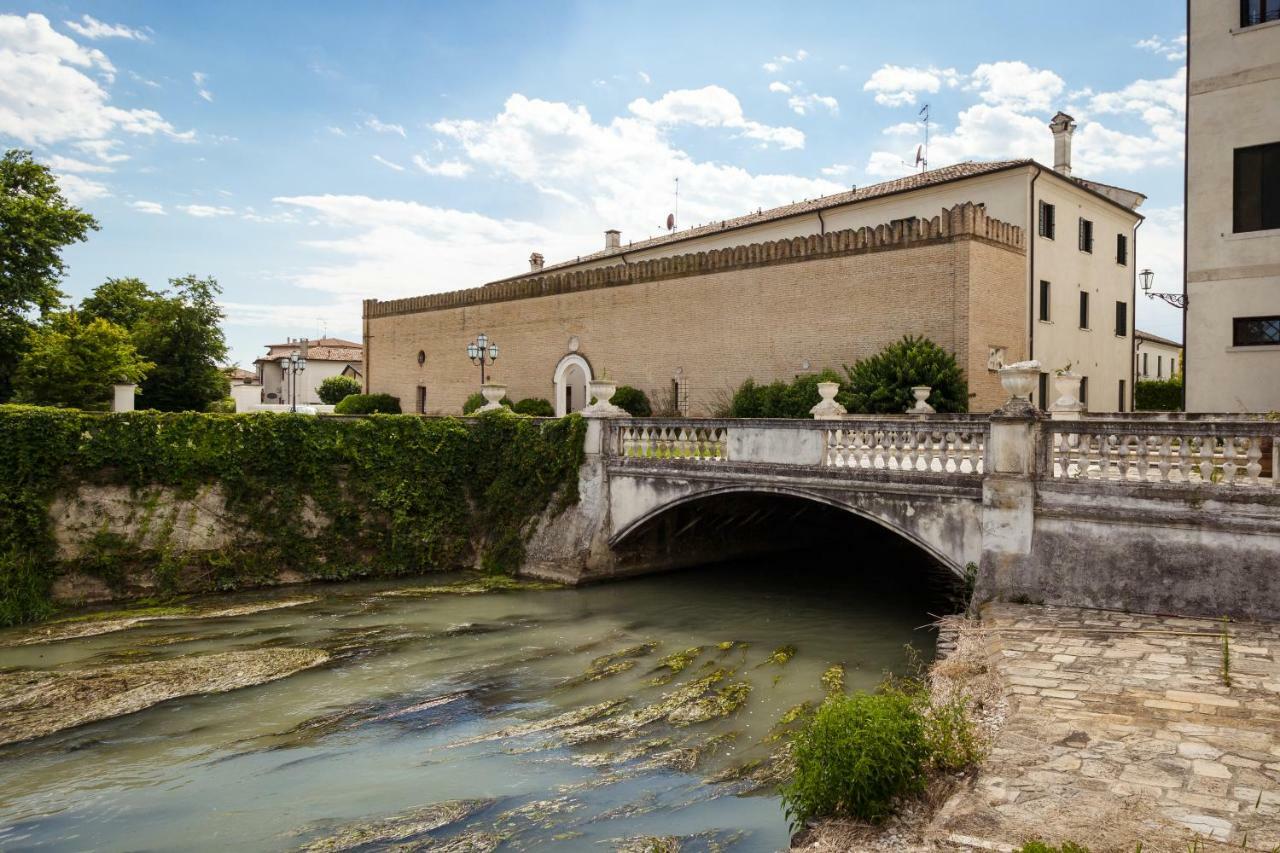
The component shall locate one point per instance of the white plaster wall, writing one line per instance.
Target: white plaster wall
(1154, 350)
(308, 382)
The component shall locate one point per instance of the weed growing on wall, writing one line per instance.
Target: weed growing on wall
(328, 497)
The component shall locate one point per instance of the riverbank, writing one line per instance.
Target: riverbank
(1119, 729)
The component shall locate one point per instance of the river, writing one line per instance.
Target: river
(421, 698)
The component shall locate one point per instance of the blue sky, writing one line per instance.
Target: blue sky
(312, 154)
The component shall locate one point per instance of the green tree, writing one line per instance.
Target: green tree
(335, 389)
(182, 334)
(36, 224)
(73, 364)
(882, 384)
(123, 301)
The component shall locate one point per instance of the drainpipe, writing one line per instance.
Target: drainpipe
(1133, 348)
(1033, 232)
(822, 223)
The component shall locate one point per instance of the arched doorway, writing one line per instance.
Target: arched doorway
(570, 380)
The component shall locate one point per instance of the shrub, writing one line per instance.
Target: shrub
(1151, 395)
(855, 756)
(368, 404)
(634, 401)
(534, 406)
(779, 399)
(1041, 847)
(476, 400)
(225, 406)
(882, 383)
(335, 389)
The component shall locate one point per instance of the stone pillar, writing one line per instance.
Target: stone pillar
(122, 397)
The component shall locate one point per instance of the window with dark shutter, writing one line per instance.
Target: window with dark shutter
(1046, 220)
(1145, 371)
(1255, 331)
(1121, 400)
(1084, 391)
(1122, 249)
(1254, 12)
(1044, 301)
(1044, 391)
(1122, 318)
(1084, 310)
(1257, 188)
(1086, 235)
(1159, 367)
(422, 400)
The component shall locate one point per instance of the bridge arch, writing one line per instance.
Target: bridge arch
(947, 550)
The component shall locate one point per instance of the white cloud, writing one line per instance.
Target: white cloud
(47, 95)
(1160, 105)
(712, 106)
(103, 149)
(982, 132)
(336, 131)
(79, 190)
(903, 128)
(775, 65)
(377, 126)
(69, 164)
(802, 104)
(92, 28)
(1016, 85)
(1174, 49)
(154, 208)
(200, 78)
(836, 170)
(446, 169)
(205, 211)
(394, 166)
(778, 86)
(644, 78)
(1159, 247)
(896, 86)
(886, 165)
(138, 78)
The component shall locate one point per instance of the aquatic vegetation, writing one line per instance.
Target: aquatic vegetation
(780, 656)
(629, 723)
(647, 844)
(612, 664)
(722, 703)
(397, 828)
(788, 718)
(833, 679)
(675, 663)
(569, 720)
(467, 842)
(477, 585)
(542, 814)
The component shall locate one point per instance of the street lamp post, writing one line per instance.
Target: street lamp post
(1177, 300)
(290, 366)
(480, 350)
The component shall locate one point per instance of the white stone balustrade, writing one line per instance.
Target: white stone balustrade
(684, 442)
(926, 446)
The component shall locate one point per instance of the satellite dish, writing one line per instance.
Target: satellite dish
(671, 222)
(919, 154)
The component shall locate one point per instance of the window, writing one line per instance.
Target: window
(1159, 367)
(1044, 301)
(1257, 188)
(1044, 391)
(1084, 391)
(1122, 249)
(1122, 318)
(1084, 310)
(422, 400)
(1255, 331)
(1086, 235)
(1046, 220)
(1173, 367)
(1145, 371)
(1120, 400)
(1254, 12)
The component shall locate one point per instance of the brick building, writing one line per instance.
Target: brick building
(996, 262)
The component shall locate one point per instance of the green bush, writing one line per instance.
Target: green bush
(882, 383)
(1041, 847)
(534, 406)
(779, 399)
(476, 400)
(368, 404)
(225, 406)
(632, 400)
(335, 389)
(400, 494)
(1157, 395)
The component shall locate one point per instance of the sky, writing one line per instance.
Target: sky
(311, 155)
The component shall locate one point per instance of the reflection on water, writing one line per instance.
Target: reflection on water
(572, 717)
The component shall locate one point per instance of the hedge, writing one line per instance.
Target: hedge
(368, 404)
(401, 494)
(1157, 396)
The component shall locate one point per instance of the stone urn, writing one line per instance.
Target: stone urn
(600, 392)
(1018, 381)
(493, 394)
(921, 393)
(828, 409)
(1067, 384)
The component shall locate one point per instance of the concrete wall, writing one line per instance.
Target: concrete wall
(1234, 102)
(1156, 360)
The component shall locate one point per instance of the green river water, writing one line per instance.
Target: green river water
(411, 709)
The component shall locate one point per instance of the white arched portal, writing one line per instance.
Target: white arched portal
(570, 380)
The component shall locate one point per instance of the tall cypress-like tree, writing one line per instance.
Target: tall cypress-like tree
(182, 334)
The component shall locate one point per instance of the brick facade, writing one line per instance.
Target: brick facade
(716, 318)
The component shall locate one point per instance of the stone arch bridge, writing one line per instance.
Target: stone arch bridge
(1163, 512)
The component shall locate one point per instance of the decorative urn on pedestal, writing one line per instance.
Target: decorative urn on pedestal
(1067, 384)
(1018, 381)
(601, 391)
(493, 394)
(921, 393)
(828, 409)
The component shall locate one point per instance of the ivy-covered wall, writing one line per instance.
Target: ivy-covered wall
(328, 498)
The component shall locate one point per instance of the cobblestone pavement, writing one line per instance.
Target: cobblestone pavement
(1121, 729)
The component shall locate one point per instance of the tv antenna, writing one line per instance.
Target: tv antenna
(672, 217)
(922, 151)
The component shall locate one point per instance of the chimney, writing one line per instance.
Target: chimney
(612, 239)
(535, 262)
(1062, 126)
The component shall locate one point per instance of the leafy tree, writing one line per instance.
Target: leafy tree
(181, 333)
(36, 224)
(1154, 395)
(73, 364)
(123, 301)
(780, 399)
(633, 401)
(335, 389)
(882, 384)
(534, 406)
(368, 404)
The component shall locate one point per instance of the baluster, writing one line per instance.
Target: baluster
(867, 448)
(1081, 448)
(1206, 459)
(908, 442)
(978, 440)
(1229, 466)
(1104, 456)
(1184, 458)
(969, 463)
(1254, 466)
(1061, 448)
(722, 442)
(1144, 450)
(1163, 464)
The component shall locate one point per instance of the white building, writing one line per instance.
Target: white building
(325, 357)
(1155, 358)
(1233, 206)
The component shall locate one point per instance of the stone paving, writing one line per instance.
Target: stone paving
(1121, 729)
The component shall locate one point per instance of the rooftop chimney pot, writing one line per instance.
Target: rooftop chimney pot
(535, 262)
(1062, 126)
(613, 239)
